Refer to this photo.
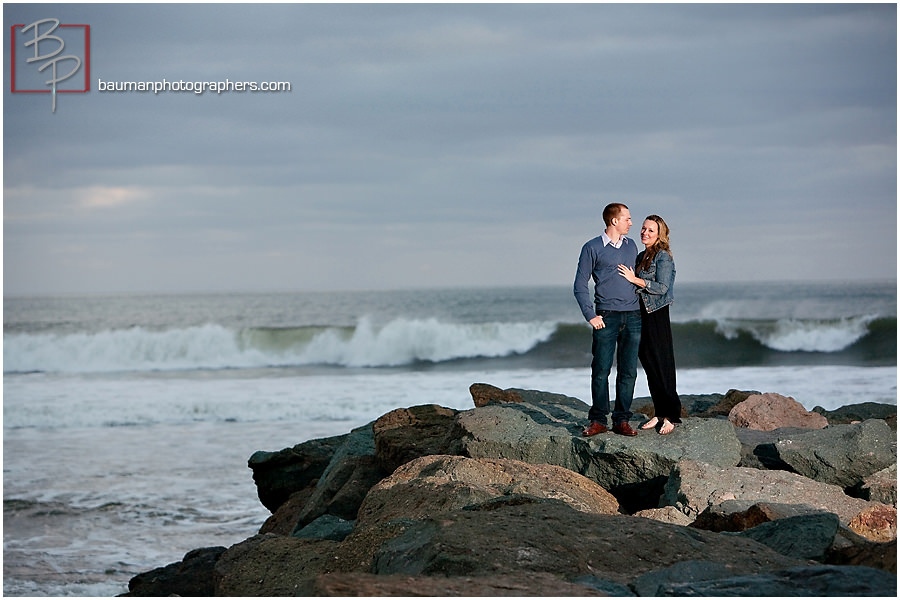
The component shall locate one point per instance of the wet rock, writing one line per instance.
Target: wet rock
(771, 411)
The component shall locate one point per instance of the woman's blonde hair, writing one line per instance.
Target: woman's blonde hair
(662, 242)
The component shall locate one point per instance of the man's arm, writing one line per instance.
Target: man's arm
(582, 287)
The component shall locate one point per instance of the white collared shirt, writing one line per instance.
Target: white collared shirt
(607, 241)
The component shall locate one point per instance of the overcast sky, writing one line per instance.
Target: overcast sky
(452, 145)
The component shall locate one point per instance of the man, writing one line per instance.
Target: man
(615, 316)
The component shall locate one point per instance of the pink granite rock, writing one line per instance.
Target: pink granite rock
(766, 412)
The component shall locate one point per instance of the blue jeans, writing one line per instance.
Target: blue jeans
(620, 339)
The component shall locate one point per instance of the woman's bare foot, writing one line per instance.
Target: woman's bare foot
(650, 424)
(666, 428)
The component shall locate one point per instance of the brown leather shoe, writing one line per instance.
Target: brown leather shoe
(593, 429)
(624, 428)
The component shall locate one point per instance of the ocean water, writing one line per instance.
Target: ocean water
(128, 420)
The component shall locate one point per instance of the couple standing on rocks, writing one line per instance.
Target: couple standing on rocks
(630, 317)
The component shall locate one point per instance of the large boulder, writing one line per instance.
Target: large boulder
(693, 487)
(771, 411)
(842, 455)
(434, 484)
(636, 469)
(407, 433)
(545, 429)
(549, 536)
(539, 432)
(280, 474)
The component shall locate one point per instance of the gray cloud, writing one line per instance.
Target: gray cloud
(463, 144)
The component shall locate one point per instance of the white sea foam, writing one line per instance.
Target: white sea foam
(793, 335)
(405, 341)
(60, 401)
(399, 342)
(134, 349)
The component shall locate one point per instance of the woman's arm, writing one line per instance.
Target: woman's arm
(665, 274)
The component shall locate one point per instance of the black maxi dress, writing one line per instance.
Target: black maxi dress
(657, 356)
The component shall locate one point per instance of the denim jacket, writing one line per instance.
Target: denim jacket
(660, 278)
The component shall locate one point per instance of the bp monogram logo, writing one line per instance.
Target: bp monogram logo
(48, 57)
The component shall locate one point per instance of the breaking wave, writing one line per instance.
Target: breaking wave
(399, 342)
(797, 335)
(408, 342)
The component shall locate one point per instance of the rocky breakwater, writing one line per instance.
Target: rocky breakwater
(751, 495)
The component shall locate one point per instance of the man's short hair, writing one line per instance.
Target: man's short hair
(612, 211)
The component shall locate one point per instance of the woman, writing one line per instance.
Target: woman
(655, 280)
